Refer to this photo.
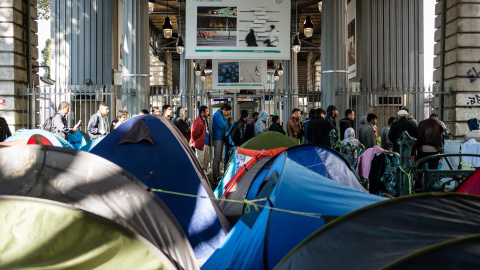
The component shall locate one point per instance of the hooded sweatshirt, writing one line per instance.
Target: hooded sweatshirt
(260, 124)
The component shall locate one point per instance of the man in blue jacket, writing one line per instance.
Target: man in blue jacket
(219, 128)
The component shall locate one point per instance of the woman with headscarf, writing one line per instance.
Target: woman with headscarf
(260, 125)
(474, 126)
(350, 137)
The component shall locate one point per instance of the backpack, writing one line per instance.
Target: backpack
(47, 125)
(232, 137)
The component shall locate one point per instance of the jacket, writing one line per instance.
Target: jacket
(332, 122)
(59, 126)
(95, 125)
(293, 128)
(242, 126)
(198, 133)
(250, 132)
(398, 127)
(430, 133)
(318, 131)
(366, 135)
(344, 124)
(219, 126)
(180, 123)
(260, 124)
(276, 127)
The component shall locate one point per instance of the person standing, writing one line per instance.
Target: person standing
(251, 39)
(167, 111)
(275, 126)
(366, 133)
(261, 124)
(156, 110)
(293, 125)
(399, 126)
(347, 122)
(122, 116)
(429, 141)
(332, 112)
(98, 125)
(4, 129)
(59, 122)
(474, 127)
(251, 126)
(386, 143)
(318, 131)
(200, 138)
(181, 123)
(219, 128)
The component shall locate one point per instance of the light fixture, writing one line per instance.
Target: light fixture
(276, 76)
(296, 40)
(280, 69)
(46, 79)
(180, 45)
(151, 7)
(308, 27)
(194, 64)
(202, 75)
(320, 6)
(167, 26)
(296, 44)
(198, 70)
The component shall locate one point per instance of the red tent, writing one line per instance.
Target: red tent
(471, 185)
(34, 139)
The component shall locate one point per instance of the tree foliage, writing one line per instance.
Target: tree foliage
(43, 9)
(46, 56)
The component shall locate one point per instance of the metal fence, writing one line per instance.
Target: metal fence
(84, 101)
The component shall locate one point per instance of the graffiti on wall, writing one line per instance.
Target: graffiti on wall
(473, 75)
(473, 100)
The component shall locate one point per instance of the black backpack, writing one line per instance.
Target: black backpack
(232, 137)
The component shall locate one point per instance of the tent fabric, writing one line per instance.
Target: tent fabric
(170, 164)
(78, 139)
(52, 138)
(41, 234)
(96, 185)
(260, 239)
(34, 139)
(471, 185)
(269, 140)
(91, 144)
(461, 253)
(380, 234)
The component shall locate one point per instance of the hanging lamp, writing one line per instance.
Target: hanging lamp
(167, 26)
(308, 27)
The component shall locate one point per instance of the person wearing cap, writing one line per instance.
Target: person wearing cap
(409, 117)
(293, 125)
(401, 125)
(474, 126)
(332, 112)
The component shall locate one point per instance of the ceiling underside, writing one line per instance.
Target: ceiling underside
(176, 9)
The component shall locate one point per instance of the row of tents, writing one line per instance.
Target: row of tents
(291, 207)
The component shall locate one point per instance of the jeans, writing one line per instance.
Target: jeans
(217, 157)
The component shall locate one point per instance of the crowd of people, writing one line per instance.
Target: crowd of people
(222, 134)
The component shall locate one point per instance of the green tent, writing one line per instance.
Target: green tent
(269, 140)
(42, 234)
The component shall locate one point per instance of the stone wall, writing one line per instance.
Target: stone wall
(462, 62)
(14, 60)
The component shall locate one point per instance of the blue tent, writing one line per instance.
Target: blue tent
(27, 133)
(91, 144)
(78, 139)
(262, 238)
(154, 150)
(320, 159)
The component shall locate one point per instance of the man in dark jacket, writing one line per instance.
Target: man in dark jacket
(180, 122)
(242, 126)
(59, 122)
(275, 126)
(347, 122)
(430, 141)
(318, 131)
(332, 112)
(98, 125)
(398, 127)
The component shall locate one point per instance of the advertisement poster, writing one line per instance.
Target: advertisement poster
(236, 74)
(247, 29)
(351, 38)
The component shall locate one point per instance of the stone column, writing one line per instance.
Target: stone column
(461, 65)
(15, 61)
(334, 54)
(136, 66)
